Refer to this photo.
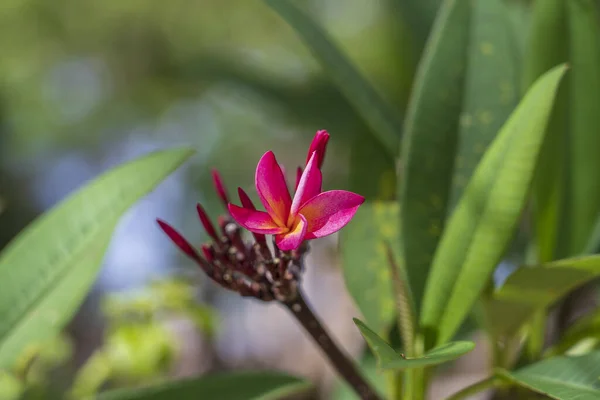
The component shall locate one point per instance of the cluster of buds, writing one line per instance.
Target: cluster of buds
(256, 269)
(249, 268)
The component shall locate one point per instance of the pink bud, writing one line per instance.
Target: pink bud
(245, 199)
(208, 226)
(208, 252)
(218, 182)
(179, 241)
(319, 145)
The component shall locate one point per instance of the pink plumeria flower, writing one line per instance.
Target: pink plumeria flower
(309, 215)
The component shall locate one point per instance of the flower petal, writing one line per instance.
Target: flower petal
(328, 212)
(298, 176)
(319, 145)
(255, 221)
(272, 188)
(308, 187)
(294, 238)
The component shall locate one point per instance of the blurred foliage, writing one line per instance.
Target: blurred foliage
(139, 347)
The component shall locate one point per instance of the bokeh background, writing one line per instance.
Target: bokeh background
(88, 84)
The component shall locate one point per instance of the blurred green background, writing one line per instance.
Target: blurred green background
(88, 84)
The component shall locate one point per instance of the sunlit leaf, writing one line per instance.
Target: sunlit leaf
(378, 114)
(430, 135)
(365, 263)
(233, 386)
(483, 223)
(47, 270)
(388, 358)
(562, 378)
(532, 289)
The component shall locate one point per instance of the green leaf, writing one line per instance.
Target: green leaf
(562, 378)
(372, 170)
(47, 270)
(491, 88)
(593, 245)
(548, 47)
(584, 118)
(419, 15)
(532, 289)
(430, 139)
(483, 223)
(388, 358)
(586, 329)
(365, 262)
(231, 386)
(378, 114)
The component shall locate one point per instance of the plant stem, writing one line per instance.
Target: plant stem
(488, 383)
(342, 363)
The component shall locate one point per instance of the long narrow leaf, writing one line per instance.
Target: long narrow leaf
(233, 386)
(484, 220)
(548, 47)
(365, 262)
(584, 202)
(378, 114)
(491, 88)
(429, 141)
(47, 270)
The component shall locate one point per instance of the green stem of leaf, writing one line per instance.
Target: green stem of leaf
(404, 304)
(537, 333)
(416, 379)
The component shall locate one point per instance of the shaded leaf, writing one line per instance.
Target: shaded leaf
(388, 358)
(586, 329)
(548, 47)
(483, 223)
(584, 118)
(47, 270)
(532, 289)
(593, 245)
(562, 378)
(491, 88)
(379, 115)
(372, 170)
(419, 15)
(365, 262)
(232, 386)
(430, 134)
